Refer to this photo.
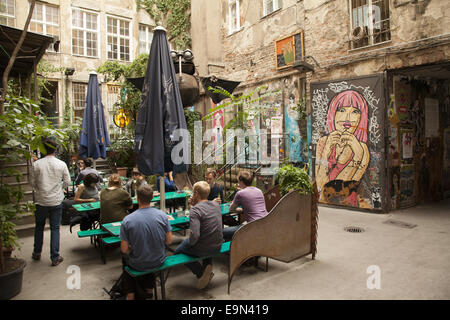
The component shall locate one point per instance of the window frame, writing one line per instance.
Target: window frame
(119, 36)
(148, 42)
(278, 7)
(237, 28)
(75, 107)
(85, 30)
(45, 23)
(369, 25)
(8, 16)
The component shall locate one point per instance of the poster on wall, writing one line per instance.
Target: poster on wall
(407, 144)
(347, 137)
(402, 92)
(407, 198)
(431, 118)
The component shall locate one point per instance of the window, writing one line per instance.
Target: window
(45, 20)
(79, 91)
(369, 22)
(7, 13)
(112, 98)
(234, 16)
(118, 39)
(270, 6)
(84, 33)
(145, 38)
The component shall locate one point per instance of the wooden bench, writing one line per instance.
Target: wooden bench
(172, 261)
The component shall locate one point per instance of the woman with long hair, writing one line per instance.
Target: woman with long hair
(342, 154)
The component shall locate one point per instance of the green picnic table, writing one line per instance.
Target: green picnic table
(80, 207)
(179, 220)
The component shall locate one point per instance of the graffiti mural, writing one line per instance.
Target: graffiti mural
(294, 142)
(348, 140)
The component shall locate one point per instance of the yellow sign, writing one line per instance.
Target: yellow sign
(122, 118)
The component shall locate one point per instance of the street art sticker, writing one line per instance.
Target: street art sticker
(348, 141)
(406, 185)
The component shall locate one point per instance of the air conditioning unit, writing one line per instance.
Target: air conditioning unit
(358, 33)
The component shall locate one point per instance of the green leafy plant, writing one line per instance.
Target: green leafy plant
(22, 129)
(122, 152)
(174, 16)
(293, 178)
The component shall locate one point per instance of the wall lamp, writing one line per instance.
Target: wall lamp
(69, 71)
(304, 66)
(187, 55)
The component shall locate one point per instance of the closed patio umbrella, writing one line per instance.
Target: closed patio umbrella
(160, 113)
(94, 134)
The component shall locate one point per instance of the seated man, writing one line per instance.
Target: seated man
(216, 194)
(205, 236)
(88, 169)
(216, 190)
(251, 199)
(135, 182)
(169, 184)
(144, 234)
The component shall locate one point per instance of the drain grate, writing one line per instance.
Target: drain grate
(354, 229)
(400, 224)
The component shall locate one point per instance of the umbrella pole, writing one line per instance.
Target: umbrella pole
(162, 194)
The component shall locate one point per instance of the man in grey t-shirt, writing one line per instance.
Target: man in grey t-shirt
(144, 234)
(205, 237)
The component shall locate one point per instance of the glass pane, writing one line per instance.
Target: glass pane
(91, 43)
(91, 21)
(124, 28)
(112, 47)
(38, 12)
(77, 42)
(10, 7)
(51, 15)
(77, 18)
(124, 49)
(51, 30)
(112, 25)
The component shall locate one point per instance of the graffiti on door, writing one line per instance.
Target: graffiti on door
(348, 140)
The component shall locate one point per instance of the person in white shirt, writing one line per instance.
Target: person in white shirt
(49, 177)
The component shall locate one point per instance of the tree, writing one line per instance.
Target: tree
(13, 57)
(174, 16)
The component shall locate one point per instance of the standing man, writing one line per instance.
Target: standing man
(251, 199)
(144, 234)
(49, 177)
(205, 235)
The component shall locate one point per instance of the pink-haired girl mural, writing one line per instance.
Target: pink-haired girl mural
(342, 156)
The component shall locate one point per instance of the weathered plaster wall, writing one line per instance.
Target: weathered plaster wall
(248, 54)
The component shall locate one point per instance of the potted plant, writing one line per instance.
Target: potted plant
(22, 127)
(292, 178)
(121, 156)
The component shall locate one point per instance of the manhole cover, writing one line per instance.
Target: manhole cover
(354, 229)
(400, 224)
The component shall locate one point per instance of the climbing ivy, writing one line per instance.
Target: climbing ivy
(174, 15)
